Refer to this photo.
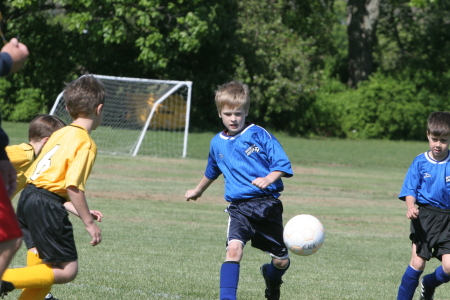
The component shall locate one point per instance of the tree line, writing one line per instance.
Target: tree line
(351, 69)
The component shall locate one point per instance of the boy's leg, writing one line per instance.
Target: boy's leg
(431, 281)
(410, 279)
(7, 251)
(10, 232)
(272, 274)
(409, 283)
(277, 268)
(229, 279)
(229, 273)
(33, 258)
(41, 276)
(34, 293)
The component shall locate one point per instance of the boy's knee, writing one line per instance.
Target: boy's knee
(65, 277)
(418, 263)
(65, 273)
(234, 251)
(281, 263)
(446, 268)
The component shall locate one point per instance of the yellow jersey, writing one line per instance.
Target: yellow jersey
(65, 160)
(21, 156)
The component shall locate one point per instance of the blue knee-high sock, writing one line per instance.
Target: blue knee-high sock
(435, 279)
(229, 279)
(275, 274)
(410, 281)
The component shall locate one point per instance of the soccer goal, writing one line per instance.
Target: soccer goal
(141, 116)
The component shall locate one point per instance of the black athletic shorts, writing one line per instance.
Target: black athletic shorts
(45, 224)
(259, 220)
(430, 232)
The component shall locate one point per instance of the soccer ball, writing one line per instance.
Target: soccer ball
(304, 235)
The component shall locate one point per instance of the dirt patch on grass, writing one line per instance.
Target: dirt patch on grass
(134, 195)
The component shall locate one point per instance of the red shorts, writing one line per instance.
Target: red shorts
(9, 226)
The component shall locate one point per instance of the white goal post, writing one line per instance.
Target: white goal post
(145, 116)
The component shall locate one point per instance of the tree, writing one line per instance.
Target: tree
(362, 23)
(181, 40)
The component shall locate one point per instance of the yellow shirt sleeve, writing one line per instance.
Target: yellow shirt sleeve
(21, 157)
(80, 168)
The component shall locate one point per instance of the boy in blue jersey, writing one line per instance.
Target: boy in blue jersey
(426, 191)
(252, 162)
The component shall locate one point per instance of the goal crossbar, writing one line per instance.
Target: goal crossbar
(163, 104)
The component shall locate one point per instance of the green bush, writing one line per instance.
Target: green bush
(382, 108)
(29, 102)
(327, 109)
(20, 105)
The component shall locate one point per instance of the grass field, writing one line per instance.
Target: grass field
(157, 246)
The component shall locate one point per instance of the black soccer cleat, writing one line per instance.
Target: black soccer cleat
(272, 291)
(50, 296)
(5, 288)
(426, 293)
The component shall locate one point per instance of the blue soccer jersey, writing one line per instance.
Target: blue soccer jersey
(241, 158)
(428, 181)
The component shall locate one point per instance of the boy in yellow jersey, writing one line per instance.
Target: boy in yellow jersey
(23, 155)
(57, 176)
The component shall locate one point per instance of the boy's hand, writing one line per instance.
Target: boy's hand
(412, 213)
(198, 191)
(192, 195)
(411, 210)
(95, 233)
(261, 182)
(96, 215)
(18, 52)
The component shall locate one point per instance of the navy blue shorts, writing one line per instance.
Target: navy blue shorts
(45, 225)
(259, 220)
(430, 232)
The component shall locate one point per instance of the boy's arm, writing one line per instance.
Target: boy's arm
(412, 211)
(97, 215)
(263, 182)
(79, 203)
(193, 194)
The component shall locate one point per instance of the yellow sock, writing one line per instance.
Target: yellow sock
(40, 276)
(34, 294)
(33, 259)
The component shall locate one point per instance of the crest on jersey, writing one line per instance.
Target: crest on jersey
(251, 149)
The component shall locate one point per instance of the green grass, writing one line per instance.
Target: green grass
(157, 246)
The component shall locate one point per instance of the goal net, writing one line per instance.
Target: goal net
(141, 116)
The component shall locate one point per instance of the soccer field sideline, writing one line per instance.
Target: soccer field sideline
(157, 246)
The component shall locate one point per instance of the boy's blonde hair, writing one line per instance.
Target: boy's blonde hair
(439, 123)
(43, 126)
(233, 95)
(84, 95)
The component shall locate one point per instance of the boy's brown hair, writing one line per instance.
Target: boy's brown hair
(233, 95)
(43, 126)
(84, 95)
(439, 123)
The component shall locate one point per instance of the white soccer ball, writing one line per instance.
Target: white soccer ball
(304, 235)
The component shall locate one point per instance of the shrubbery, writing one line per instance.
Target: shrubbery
(382, 108)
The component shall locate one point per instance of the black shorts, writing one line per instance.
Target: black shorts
(430, 232)
(45, 225)
(259, 220)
